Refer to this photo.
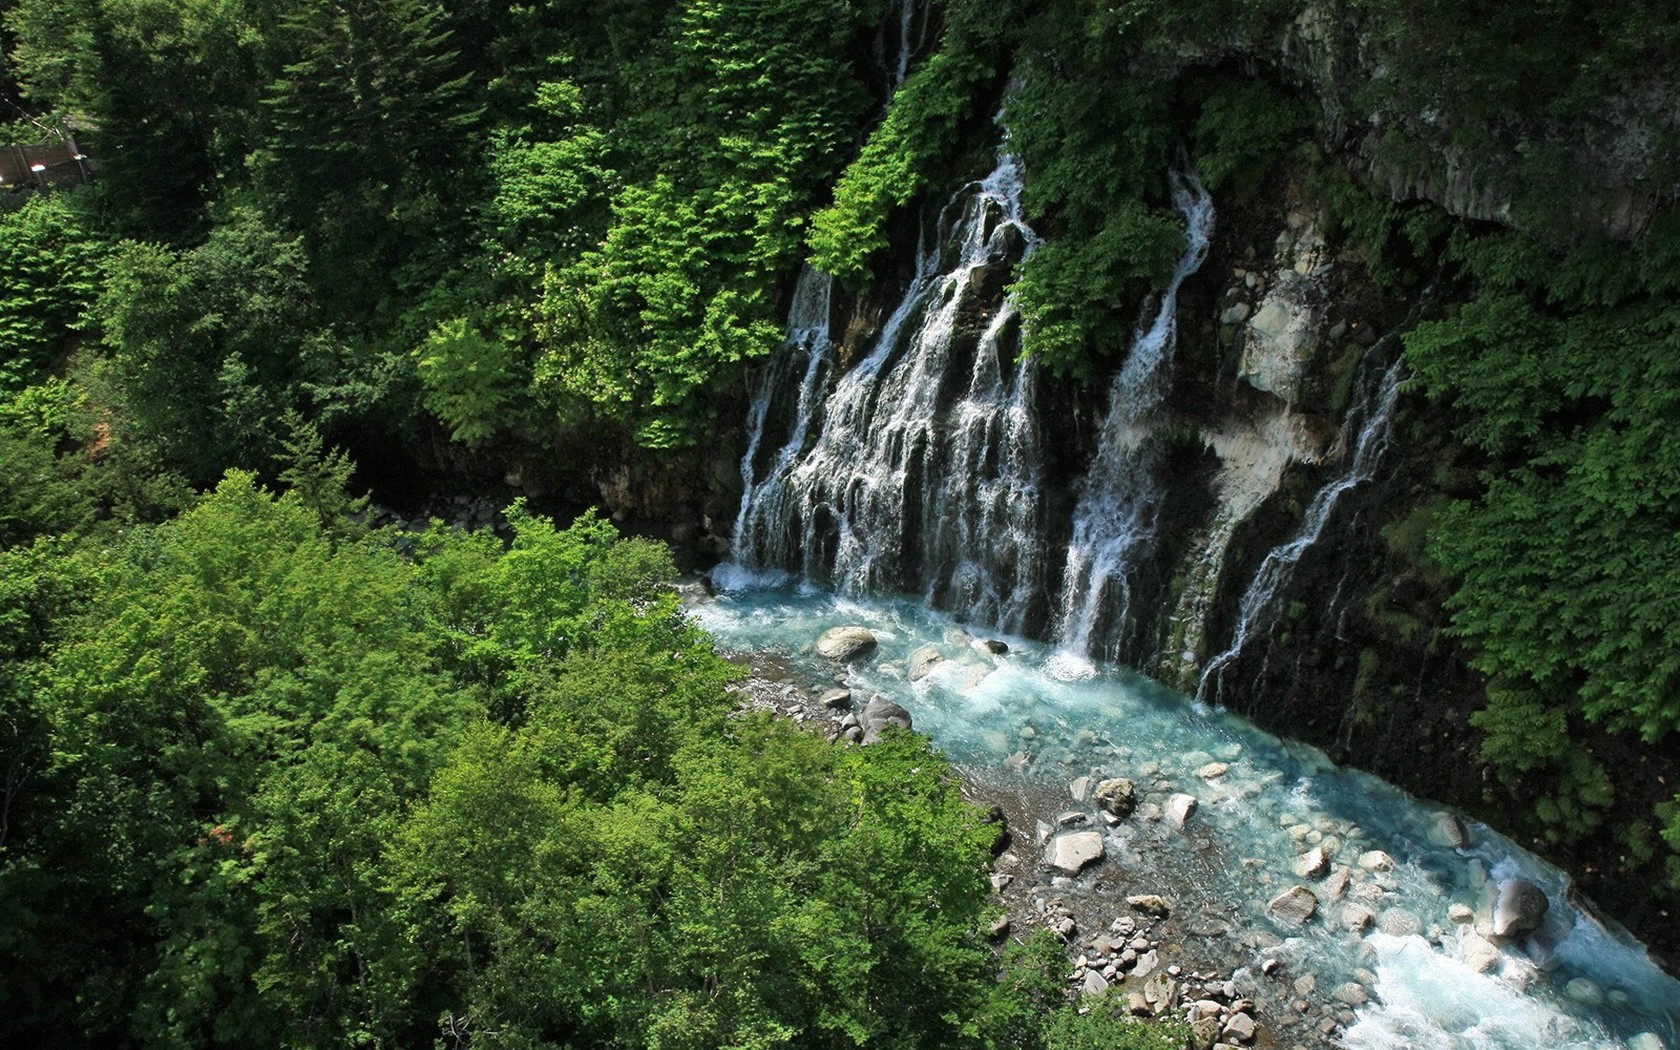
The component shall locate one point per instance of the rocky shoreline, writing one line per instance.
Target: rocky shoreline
(1047, 874)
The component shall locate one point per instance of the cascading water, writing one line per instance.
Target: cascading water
(920, 472)
(1264, 598)
(807, 353)
(1114, 527)
(924, 471)
(908, 40)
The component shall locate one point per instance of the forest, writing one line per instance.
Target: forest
(270, 775)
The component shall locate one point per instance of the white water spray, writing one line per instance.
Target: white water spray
(1114, 527)
(1261, 602)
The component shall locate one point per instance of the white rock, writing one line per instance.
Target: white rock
(1295, 904)
(1180, 808)
(1376, 860)
(1584, 991)
(1478, 952)
(1072, 852)
(846, 643)
(1312, 864)
(1240, 1027)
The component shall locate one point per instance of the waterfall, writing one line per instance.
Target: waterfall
(1260, 603)
(1114, 528)
(923, 474)
(807, 353)
(906, 19)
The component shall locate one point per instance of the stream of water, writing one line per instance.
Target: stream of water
(1428, 977)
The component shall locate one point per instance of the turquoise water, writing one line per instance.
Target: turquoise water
(1049, 717)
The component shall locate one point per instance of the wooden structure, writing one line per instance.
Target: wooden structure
(48, 164)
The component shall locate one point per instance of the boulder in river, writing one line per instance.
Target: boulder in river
(923, 661)
(846, 643)
(1448, 831)
(1073, 851)
(1118, 796)
(1519, 909)
(1297, 904)
(1312, 864)
(1180, 808)
(881, 713)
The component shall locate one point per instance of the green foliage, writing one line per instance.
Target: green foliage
(1563, 370)
(1074, 287)
(1107, 1028)
(899, 160)
(470, 381)
(757, 105)
(213, 344)
(1243, 127)
(51, 258)
(369, 116)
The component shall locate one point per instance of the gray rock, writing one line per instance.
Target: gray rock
(879, 714)
(846, 643)
(999, 928)
(1351, 993)
(1239, 1028)
(1204, 1032)
(1180, 808)
(1235, 315)
(1095, 983)
(1336, 884)
(1080, 788)
(1448, 831)
(1071, 852)
(1645, 1041)
(1118, 796)
(1296, 904)
(1357, 917)
(1462, 914)
(1205, 1008)
(1071, 817)
(995, 647)
(1213, 770)
(837, 699)
(1520, 908)
(1151, 904)
(923, 661)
